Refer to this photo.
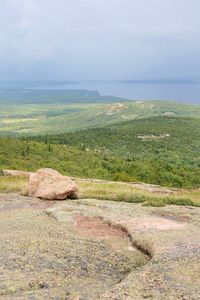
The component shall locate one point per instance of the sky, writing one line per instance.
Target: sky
(99, 39)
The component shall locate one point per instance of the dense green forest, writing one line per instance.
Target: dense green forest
(159, 150)
(174, 140)
(72, 161)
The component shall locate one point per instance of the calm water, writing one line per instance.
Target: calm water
(180, 92)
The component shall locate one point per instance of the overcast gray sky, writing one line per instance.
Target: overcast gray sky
(99, 39)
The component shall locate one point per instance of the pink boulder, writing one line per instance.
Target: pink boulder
(50, 184)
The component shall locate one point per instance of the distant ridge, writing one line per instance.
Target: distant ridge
(61, 119)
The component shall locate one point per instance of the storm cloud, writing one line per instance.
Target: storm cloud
(90, 39)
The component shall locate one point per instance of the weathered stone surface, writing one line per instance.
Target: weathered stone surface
(16, 172)
(82, 256)
(43, 259)
(50, 184)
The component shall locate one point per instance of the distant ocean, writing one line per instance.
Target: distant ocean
(185, 92)
(179, 91)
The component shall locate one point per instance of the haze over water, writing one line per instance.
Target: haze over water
(178, 91)
(185, 92)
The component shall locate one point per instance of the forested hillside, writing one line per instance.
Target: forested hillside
(72, 161)
(161, 150)
(61, 117)
(171, 139)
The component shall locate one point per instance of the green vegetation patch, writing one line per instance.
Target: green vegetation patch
(124, 193)
(14, 184)
(162, 150)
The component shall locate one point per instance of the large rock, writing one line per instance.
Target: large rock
(50, 184)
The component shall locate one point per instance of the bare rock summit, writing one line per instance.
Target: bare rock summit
(50, 184)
